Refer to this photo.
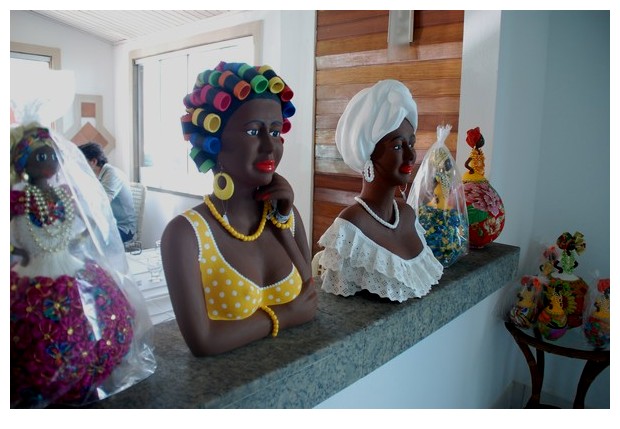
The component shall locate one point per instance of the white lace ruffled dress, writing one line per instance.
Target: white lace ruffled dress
(352, 262)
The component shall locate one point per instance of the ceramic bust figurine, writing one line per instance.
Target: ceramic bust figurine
(238, 265)
(377, 244)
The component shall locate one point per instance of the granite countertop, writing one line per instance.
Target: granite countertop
(304, 366)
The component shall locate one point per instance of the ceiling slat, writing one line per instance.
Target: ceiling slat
(116, 26)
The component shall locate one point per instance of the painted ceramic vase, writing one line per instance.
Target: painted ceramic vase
(485, 208)
(573, 290)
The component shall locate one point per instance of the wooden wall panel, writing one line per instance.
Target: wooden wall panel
(352, 54)
(376, 23)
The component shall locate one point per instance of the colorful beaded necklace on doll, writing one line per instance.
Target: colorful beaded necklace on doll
(232, 231)
(54, 218)
(377, 218)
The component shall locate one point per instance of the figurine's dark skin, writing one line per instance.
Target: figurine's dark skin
(393, 159)
(250, 135)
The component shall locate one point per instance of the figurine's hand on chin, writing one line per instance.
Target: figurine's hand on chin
(280, 191)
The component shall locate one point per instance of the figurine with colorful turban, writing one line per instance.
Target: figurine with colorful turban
(485, 208)
(238, 265)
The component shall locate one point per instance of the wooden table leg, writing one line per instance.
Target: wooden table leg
(537, 370)
(590, 371)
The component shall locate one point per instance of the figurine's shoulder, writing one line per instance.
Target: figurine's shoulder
(353, 213)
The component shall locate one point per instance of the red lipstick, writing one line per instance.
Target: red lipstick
(406, 169)
(267, 166)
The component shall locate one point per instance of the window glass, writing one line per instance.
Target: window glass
(27, 66)
(163, 80)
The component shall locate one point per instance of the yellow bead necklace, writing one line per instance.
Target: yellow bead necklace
(233, 231)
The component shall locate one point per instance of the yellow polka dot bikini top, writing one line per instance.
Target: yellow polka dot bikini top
(228, 294)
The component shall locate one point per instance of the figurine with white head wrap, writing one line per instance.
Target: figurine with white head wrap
(377, 244)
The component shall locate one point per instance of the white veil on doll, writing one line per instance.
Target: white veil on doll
(36, 101)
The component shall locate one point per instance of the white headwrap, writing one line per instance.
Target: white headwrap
(370, 115)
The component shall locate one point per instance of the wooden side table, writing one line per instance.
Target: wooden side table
(574, 346)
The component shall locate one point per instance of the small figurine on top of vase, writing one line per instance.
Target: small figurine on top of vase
(485, 208)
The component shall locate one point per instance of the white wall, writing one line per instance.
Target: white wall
(90, 58)
(466, 364)
(551, 151)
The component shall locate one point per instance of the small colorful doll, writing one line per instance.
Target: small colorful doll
(71, 324)
(597, 325)
(573, 289)
(485, 208)
(438, 199)
(524, 312)
(550, 256)
(552, 320)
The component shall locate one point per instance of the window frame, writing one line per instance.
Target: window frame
(31, 52)
(253, 29)
(39, 51)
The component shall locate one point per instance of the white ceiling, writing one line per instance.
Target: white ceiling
(115, 26)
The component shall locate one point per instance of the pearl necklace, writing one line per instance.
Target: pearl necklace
(57, 229)
(377, 218)
(228, 227)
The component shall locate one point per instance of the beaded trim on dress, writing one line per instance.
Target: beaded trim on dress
(353, 262)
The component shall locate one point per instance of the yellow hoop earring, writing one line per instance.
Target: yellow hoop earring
(228, 190)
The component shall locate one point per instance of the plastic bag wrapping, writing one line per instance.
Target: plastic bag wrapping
(521, 301)
(80, 329)
(597, 315)
(439, 201)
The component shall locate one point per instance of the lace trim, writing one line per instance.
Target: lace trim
(353, 262)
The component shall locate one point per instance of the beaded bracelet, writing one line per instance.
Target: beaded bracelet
(274, 320)
(279, 220)
(283, 225)
(282, 218)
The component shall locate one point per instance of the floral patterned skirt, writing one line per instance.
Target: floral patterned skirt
(67, 335)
